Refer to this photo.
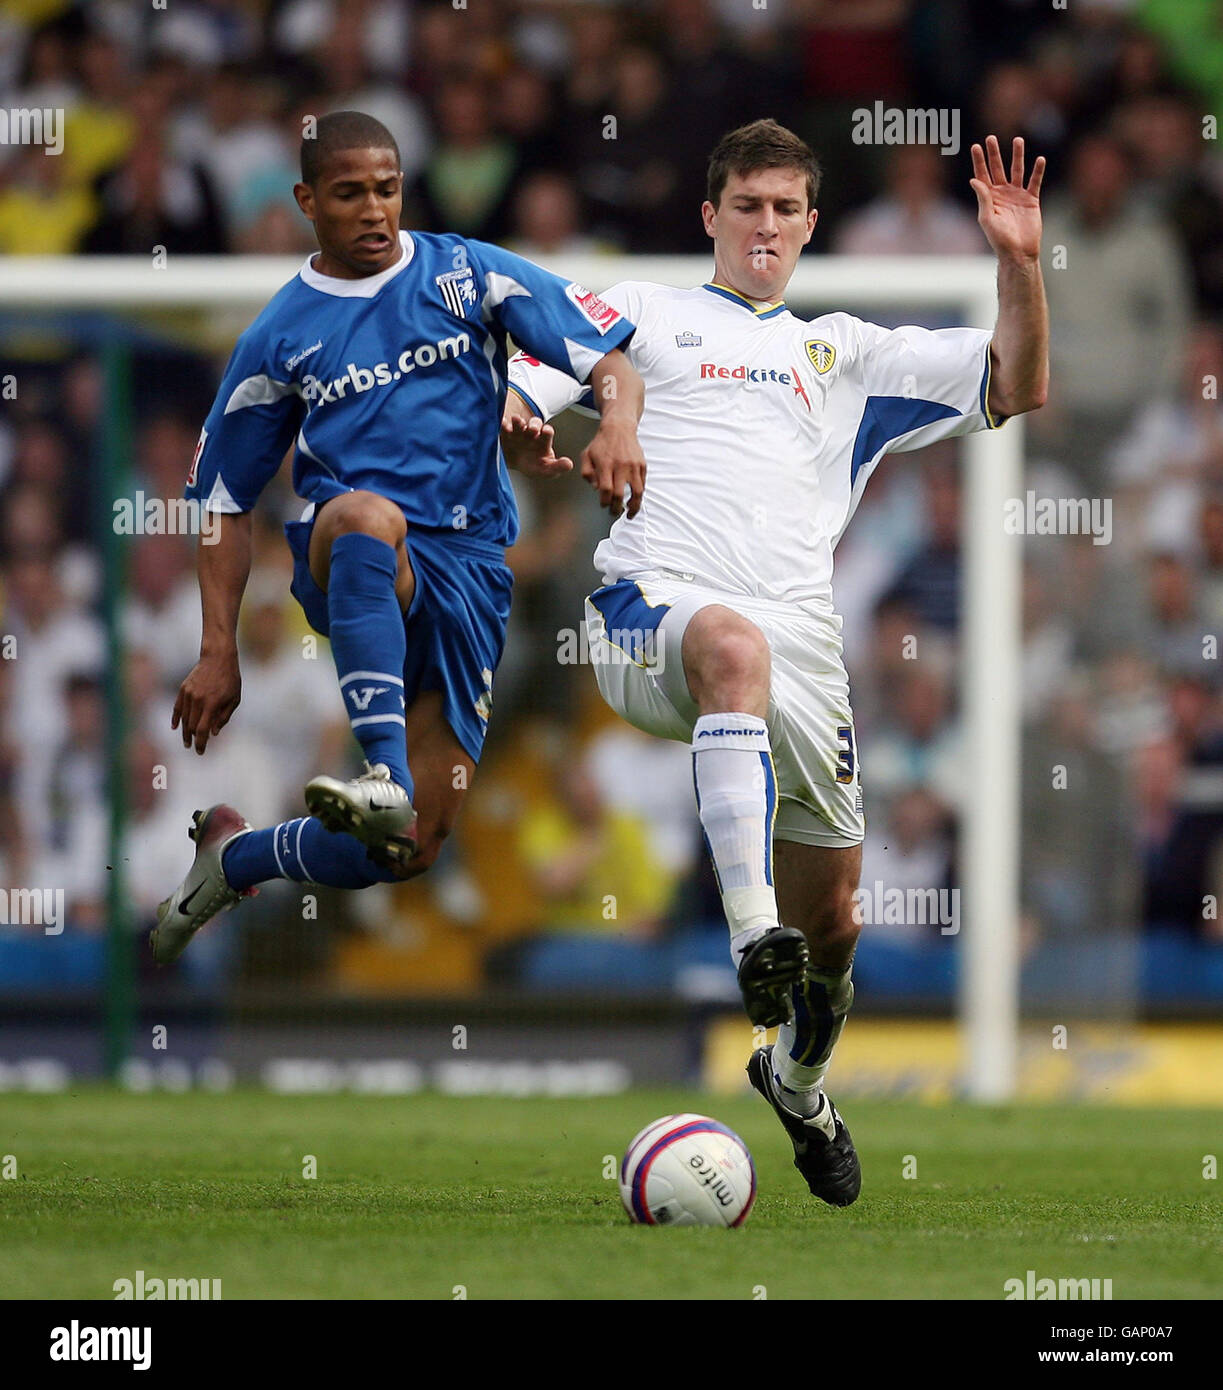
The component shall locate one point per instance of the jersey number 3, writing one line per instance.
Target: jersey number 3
(845, 772)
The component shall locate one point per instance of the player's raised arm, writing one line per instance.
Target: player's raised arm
(1009, 214)
(212, 690)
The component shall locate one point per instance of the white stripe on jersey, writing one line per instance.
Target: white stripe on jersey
(259, 390)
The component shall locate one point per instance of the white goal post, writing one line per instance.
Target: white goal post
(989, 960)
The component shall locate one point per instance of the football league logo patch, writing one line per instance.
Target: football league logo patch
(458, 289)
(687, 340)
(822, 355)
(194, 472)
(598, 311)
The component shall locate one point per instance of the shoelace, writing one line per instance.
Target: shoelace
(224, 897)
(381, 774)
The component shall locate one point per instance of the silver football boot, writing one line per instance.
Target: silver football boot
(373, 808)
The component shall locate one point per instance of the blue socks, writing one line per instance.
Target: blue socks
(300, 850)
(369, 645)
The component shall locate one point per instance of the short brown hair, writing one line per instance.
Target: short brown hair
(761, 145)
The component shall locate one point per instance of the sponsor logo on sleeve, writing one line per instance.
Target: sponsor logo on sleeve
(597, 310)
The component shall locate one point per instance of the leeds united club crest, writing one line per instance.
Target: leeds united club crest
(822, 355)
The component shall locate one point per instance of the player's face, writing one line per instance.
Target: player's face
(761, 224)
(355, 206)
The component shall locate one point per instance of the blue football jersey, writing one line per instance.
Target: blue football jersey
(395, 383)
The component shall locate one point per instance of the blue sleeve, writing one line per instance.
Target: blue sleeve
(558, 321)
(252, 423)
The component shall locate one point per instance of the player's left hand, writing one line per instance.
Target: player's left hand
(613, 461)
(528, 447)
(1008, 212)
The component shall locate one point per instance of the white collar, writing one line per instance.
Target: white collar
(365, 287)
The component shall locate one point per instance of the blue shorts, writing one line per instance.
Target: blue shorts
(455, 626)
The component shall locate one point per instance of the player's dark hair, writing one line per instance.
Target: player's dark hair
(762, 145)
(343, 130)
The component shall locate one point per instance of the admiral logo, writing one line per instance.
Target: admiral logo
(299, 357)
(597, 310)
(687, 340)
(822, 355)
(458, 290)
(751, 376)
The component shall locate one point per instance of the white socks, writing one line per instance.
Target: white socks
(736, 792)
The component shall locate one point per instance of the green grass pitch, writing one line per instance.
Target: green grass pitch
(416, 1195)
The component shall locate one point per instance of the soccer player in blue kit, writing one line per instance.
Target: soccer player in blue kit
(383, 362)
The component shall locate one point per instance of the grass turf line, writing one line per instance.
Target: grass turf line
(418, 1194)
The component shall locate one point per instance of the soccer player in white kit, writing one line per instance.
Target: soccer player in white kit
(715, 622)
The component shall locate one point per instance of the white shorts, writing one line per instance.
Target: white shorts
(635, 629)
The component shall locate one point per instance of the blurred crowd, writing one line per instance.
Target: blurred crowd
(584, 127)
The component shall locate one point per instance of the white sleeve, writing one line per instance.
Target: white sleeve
(544, 389)
(547, 391)
(924, 384)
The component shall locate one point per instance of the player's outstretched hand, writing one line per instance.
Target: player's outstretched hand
(206, 699)
(528, 447)
(612, 462)
(1009, 212)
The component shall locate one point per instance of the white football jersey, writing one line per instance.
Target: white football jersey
(761, 429)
